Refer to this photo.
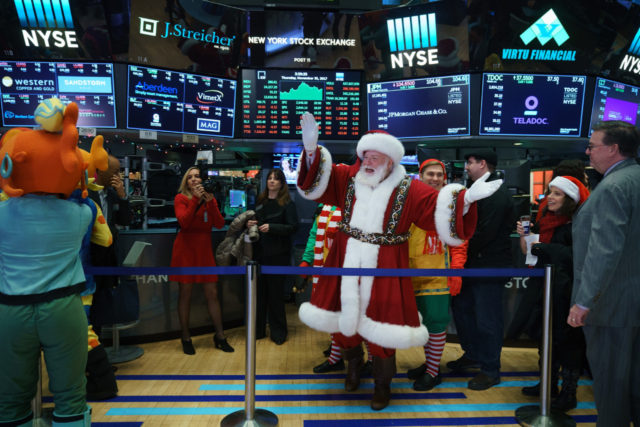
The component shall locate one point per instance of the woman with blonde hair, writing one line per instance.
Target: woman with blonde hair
(197, 212)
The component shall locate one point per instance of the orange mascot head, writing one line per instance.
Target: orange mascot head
(44, 160)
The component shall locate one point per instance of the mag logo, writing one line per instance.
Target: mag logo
(548, 27)
(413, 40)
(631, 61)
(46, 23)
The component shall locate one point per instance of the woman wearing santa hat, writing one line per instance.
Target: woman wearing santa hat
(564, 196)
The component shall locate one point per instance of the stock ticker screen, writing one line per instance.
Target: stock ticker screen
(26, 84)
(274, 100)
(173, 101)
(425, 107)
(615, 101)
(532, 104)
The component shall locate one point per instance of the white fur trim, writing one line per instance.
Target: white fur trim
(444, 214)
(393, 336)
(322, 180)
(382, 142)
(567, 187)
(318, 318)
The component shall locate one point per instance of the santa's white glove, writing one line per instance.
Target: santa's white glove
(481, 189)
(309, 133)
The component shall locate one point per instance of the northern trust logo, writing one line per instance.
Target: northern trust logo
(631, 61)
(149, 27)
(548, 27)
(46, 23)
(413, 40)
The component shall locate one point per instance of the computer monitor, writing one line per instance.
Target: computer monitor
(237, 199)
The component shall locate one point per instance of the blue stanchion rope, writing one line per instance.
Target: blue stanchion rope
(319, 271)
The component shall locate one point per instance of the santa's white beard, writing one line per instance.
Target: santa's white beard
(372, 179)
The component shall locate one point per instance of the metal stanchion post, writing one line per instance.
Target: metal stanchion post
(534, 415)
(250, 416)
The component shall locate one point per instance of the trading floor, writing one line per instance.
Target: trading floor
(168, 388)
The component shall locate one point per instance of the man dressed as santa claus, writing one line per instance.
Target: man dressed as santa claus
(379, 203)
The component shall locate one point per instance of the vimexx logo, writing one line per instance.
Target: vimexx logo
(544, 29)
(209, 96)
(416, 34)
(46, 23)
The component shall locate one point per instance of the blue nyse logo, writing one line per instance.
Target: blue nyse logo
(416, 34)
(631, 61)
(52, 20)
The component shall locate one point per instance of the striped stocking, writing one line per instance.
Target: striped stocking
(433, 352)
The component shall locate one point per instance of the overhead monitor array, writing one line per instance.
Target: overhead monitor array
(270, 101)
(25, 84)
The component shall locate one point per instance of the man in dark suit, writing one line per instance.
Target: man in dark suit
(606, 285)
(477, 310)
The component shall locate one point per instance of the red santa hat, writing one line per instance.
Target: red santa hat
(383, 142)
(430, 162)
(572, 187)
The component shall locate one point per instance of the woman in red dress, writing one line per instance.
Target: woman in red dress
(197, 212)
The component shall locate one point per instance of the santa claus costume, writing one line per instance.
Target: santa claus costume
(373, 233)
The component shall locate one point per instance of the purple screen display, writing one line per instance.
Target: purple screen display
(615, 101)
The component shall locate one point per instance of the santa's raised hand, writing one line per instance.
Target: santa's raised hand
(481, 189)
(309, 132)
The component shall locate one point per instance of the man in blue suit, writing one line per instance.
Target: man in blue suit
(606, 287)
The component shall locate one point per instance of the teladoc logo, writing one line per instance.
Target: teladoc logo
(415, 40)
(52, 20)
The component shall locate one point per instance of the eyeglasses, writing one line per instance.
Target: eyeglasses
(591, 147)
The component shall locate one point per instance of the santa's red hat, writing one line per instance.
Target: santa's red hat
(572, 187)
(383, 142)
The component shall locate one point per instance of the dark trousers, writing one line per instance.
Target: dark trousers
(477, 312)
(270, 301)
(613, 356)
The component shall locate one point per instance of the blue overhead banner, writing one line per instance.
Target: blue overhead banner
(54, 29)
(422, 40)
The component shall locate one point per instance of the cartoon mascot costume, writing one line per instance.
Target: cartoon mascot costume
(41, 275)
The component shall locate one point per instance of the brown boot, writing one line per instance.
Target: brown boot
(353, 357)
(383, 372)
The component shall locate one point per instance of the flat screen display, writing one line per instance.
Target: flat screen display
(426, 107)
(274, 100)
(289, 165)
(615, 101)
(172, 101)
(26, 84)
(532, 104)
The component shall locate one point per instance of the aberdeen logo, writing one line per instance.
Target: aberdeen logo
(631, 61)
(50, 17)
(149, 27)
(415, 34)
(545, 29)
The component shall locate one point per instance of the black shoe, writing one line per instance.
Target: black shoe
(279, 340)
(482, 381)
(534, 390)
(367, 368)
(222, 344)
(462, 364)
(416, 373)
(327, 352)
(426, 382)
(187, 347)
(328, 367)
